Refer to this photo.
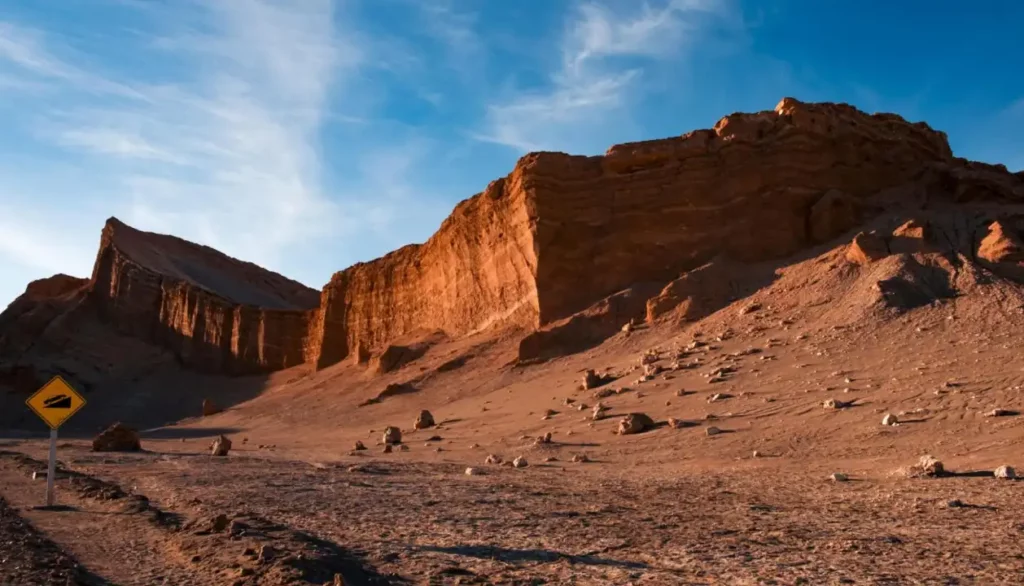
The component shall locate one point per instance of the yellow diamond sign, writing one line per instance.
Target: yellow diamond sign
(56, 402)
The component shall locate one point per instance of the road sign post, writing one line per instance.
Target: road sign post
(54, 403)
(51, 468)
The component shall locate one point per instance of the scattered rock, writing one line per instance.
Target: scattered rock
(635, 423)
(471, 471)
(220, 446)
(117, 438)
(267, 554)
(712, 431)
(219, 523)
(837, 404)
(520, 462)
(392, 435)
(928, 466)
(493, 459)
(598, 412)
(359, 446)
(839, 477)
(591, 380)
(403, 448)
(1000, 413)
(756, 454)
(580, 458)
(387, 449)
(890, 419)
(544, 439)
(210, 408)
(424, 421)
(866, 248)
(1006, 472)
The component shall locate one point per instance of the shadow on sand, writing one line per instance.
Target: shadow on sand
(530, 555)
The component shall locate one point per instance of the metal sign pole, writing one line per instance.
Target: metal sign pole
(51, 469)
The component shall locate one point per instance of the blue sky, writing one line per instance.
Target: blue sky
(306, 135)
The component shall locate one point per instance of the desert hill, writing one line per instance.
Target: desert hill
(559, 254)
(791, 308)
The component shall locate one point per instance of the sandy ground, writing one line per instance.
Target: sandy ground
(672, 505)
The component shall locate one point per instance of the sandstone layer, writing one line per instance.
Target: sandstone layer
(565, 248)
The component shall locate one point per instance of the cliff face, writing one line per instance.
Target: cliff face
(215, 313)
(651, 210)
(477, 270)
(537, 247)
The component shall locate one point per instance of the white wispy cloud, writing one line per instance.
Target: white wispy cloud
(603, 55)
(227, 156)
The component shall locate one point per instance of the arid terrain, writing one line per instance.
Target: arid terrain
(731, 357)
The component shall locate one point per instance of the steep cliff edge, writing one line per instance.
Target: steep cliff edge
(216, 313)
(567, 247)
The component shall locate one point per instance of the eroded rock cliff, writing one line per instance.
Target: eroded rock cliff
(564, 247)
(214, 312)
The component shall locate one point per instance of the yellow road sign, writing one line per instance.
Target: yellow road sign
(56, 402)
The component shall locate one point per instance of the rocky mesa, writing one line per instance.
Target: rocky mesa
(566, 249)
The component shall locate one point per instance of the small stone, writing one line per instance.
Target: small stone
(580, 458)
(712, 431)
(243, 572)
(403, 448)
(591, 379)
(1006, 472)
(598, 412)
(219, 523)
(387, 449)
(999, 413)
(267, 554)
(339, 580)
(470, 471)
(890, 419)
(635, 423)
(757, 454)
(839, 477)
(220, 446)
(392, 435)
(493, 459)
(520, 462)
(210, 408)
(423, 421)
(928, 466)
(359, 446)
(680, 393)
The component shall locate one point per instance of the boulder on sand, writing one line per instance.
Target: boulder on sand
(425, 420)
(635, 423)
(210, 408)
(117, 438)
(220, 447)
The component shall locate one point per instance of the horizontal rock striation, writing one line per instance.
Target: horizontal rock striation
(476, 271)
(216, 313)
(542, 247)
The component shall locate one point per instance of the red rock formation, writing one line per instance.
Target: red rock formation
(216, 313)
(546, 242)
(477, 270)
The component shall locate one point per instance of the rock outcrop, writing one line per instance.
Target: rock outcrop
(214, 312)
(565, 248)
